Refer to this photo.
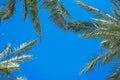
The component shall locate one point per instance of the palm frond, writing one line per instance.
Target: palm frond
(116, 4)
(106, 28)
(33, 11)
(116, 13)
(24, 47)
(11, 62)
(30, 7)
(80, 26)
(25, 9)
(9, 9)
(96, 11)
(64, 10)
(90, 66)
(116, 74)
(111, 55)
(7, 47)
(20, 58)
(58, 12)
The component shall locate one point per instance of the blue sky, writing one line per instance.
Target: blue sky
(61, 54)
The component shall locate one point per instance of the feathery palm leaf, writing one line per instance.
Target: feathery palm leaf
(57, 11)
(24, 47)
(96, 11)
(30, 7)
(107, 28)
(11, 61)
(33, 11)
(8, 11)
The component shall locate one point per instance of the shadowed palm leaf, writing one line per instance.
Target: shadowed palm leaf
(30, 7)
(58, 13)
(57, 10)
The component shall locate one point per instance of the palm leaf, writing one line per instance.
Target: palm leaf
(96, 11)
(116, 74)
(33, 10)
(24, 47)
(8, 11)
(25, 9)
(58, 12)
(115, 3)
(11, 62)
(7, 47)
(106, 28)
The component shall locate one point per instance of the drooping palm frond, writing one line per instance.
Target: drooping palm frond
(25, 9)
(11, 60)
(58, 12)
(8, 10)
(32, 6)
(107, 28)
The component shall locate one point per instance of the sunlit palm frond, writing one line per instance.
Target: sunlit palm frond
(10, 61)
(7, 47)
(24, 47)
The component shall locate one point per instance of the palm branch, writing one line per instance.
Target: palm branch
(106, 28)
(10, 60)
(58, 13)
(30, 7)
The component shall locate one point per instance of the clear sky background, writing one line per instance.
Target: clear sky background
(61, 54)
